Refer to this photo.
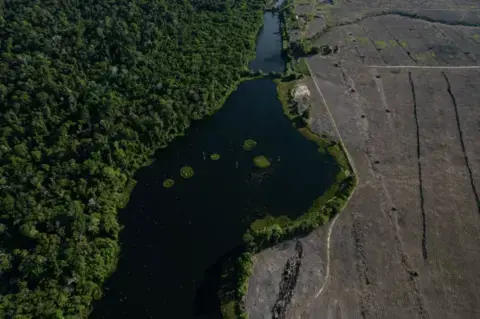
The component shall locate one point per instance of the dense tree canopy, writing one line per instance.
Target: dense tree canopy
(88, 90)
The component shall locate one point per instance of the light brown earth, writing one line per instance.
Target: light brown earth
(408, 243)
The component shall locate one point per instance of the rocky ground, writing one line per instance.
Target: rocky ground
(404, 94)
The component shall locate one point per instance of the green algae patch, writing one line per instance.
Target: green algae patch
(249, 145)
(392, 43)
(425, 56)
(168, 183)
(363, 40)
(404, 44)
(186, 172)
(381, 44)
(215, 157)
(261, 161)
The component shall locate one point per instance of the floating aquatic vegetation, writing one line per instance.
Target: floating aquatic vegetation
(168, 183)
(187, 172)
(215, 157)
(248, 145)
(261, 161)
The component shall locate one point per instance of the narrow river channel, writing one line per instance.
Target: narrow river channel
(174, 237)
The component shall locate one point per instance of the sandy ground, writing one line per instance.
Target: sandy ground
(407, 245)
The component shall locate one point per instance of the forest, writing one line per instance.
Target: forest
(89, 89)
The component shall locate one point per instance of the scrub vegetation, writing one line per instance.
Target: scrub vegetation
(88, 91)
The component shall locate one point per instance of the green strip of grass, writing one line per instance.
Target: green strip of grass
(301, 67)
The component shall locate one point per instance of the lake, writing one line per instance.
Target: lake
(174, 237)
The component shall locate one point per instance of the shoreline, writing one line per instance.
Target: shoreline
(325, 208)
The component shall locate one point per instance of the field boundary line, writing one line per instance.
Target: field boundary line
(329, 233)
(462, 142)
(419, 163)
(420, 67)
(406, 9)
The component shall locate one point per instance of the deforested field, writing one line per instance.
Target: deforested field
(404, 94)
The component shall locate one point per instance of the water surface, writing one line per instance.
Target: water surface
(174, 238)
(269, 46)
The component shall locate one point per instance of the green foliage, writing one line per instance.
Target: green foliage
(268, 221)
(249, 145)
(88, 91)
(287, 17)
(261, 161)
(214, 157)
(228, 310)
(301, 67)
(168, 183)
(284, 89)
(187, 172)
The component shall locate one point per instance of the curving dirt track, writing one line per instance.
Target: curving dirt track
(408, 243)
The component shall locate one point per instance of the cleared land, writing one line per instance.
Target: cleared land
(407, 245)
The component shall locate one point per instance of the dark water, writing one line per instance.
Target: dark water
(174, 238)
(269, 46)
(279, 3)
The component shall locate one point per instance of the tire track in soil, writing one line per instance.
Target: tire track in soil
(385, 13)
(445, 67)
(446, 36)
(466, 38)
(338, 309)
(361, 265)
(327, 271)
(462, 143)
(430, 48)
(386, 203)
(423, 312)
(408, 53)
(359, 54)
(288, 282)
(352, 165)
(420, 177)
(376, 49)
(469, 38)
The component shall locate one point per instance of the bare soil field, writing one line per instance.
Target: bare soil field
(417, 4)
(403, 94)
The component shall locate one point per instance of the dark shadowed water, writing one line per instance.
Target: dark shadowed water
(173, 238)
(269, 46)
